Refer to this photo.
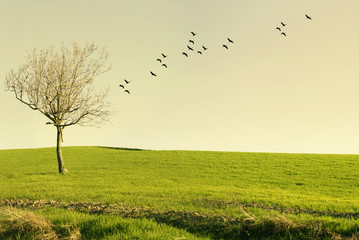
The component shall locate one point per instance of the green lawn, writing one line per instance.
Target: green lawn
(304, 189)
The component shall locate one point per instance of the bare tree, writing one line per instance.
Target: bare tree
(59, 84)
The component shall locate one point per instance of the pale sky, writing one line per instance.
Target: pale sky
(266, 93)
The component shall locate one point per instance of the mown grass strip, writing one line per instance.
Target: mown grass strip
(248, 226)
(52, 223)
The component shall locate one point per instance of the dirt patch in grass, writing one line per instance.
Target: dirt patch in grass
(247, 226)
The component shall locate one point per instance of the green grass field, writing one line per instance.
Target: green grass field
(140, 194)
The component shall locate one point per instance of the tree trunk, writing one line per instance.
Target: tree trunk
(60, 160)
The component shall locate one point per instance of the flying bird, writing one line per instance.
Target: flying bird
(191, 41)
(127, 82)
(126, 91)
(199, 52)
(279, 28)
(283, 24)
(159, 60)
(189, 48)
(283, 33)
(164, 65)
(193, 34)
(122, 86)
(308, 17)
(185, 54)
(153, 74)
(225, 46)
(229, 40)
(164, 55)
(204, 48)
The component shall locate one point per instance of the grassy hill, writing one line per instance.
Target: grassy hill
(133, 193)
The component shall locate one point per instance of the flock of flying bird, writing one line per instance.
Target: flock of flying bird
(123, 86)
(190, 47)
(161, 60)
(283, 25)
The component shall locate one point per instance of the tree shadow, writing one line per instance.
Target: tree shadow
(123, 148)
(49, 173)
(99, 229)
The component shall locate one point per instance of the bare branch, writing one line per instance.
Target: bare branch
(60, 84)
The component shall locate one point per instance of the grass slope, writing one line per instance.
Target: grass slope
(300, 188)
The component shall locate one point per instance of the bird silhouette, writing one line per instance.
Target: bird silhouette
(122, 86)
(283, 33)
(204, 48)
(191, 41)
(153, 74)
(164, 55)
(283, 24)
(189, 48)
(185, 54)
(308, 17)
(229, 40)
(225, 46)
(127, 82)
(194, 34)
(159, 60)
(279, 28)
(127, 91)
(164, 65)
(199, 52)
